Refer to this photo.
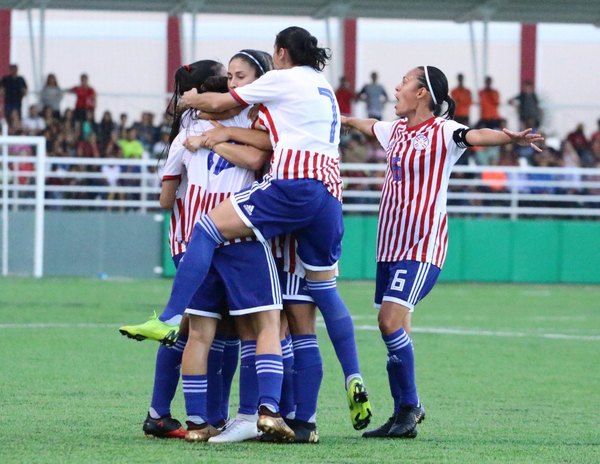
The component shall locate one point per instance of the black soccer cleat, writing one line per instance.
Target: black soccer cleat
(165, 427)
(405, 425)
(305, 432)
(382, 431)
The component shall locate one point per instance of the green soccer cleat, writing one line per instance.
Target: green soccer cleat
(154, 329)
(358, 402)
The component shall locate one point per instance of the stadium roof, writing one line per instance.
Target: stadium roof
(524, 11)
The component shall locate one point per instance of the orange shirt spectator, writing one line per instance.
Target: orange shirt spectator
(463, 99)
(489, 100)
(496, 181)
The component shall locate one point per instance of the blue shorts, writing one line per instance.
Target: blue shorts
(273, 207)
(404, 282)
(243, 278)
(294, 288)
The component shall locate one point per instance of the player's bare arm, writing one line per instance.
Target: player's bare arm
(243, 156)
(168, 193)
(490, 137)
(363, 125)
(209, 101)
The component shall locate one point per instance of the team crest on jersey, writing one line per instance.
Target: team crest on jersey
(420, 142)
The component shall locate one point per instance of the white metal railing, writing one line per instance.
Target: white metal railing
(134, 185)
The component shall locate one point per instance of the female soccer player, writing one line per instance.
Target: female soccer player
(422, 148)
(211, 180)
(159, 422)
(302, 193)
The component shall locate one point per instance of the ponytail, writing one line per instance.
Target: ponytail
(303, 48)
(436, 83)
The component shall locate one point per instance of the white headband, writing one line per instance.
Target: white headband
(253, 59)
(429, 86)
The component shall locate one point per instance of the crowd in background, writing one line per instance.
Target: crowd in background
(80, 132)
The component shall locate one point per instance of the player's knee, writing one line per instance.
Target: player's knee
(388, 323)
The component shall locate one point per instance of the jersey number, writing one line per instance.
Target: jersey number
(398, 282)
(329, 94)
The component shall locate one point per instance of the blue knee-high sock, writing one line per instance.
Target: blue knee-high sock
(286, 403)
(231, 355)
(214, 395)
(339, 324)
(400, 346)
(194, 392)
(193, 267)
(393, 364)
(269, 370)
(166, 377)
(248, 379)
(308, 374)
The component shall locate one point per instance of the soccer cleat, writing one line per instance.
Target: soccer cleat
(154, 329)
(273, 424)
(165, 427)
(200, 433)
(304, 432)
(242, 428)
(359, 405)
(380, 432)
(405, 425)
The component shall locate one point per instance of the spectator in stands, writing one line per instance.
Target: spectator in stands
(463, 99)
(345, 96)
(131, 148)
(489, 100)
(528, 105)
(596, 135)
(106, 128)
(33, 123)
(86, 98)
(88, 125)
(159, 149)
(51, 95)
(570, 162)
(14, 89)
(581, 144)
(375, 96)
(147, 132)
(122, 126)
(88, 148)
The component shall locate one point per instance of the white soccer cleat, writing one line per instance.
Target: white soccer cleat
(242, 428)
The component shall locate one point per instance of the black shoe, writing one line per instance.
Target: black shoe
(306, 432)
(165, 427)
(381, 432)
(405, 425)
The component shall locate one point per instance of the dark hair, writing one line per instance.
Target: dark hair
(302, 48)
(261, 62)
(188, 77)
(438, 88)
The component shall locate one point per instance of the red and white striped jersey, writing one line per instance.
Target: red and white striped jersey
(285, 247)
(301, 114)
(172, 170)
(413, 223)
(211, 178)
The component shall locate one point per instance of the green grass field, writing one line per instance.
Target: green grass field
(508, 373)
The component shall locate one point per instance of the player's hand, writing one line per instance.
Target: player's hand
(188, 97)
(219, 134)
(525, 138)
(194, 142)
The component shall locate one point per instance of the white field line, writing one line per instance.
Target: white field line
(424, 330)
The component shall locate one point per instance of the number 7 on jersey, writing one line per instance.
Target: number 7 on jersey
(329, 94)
